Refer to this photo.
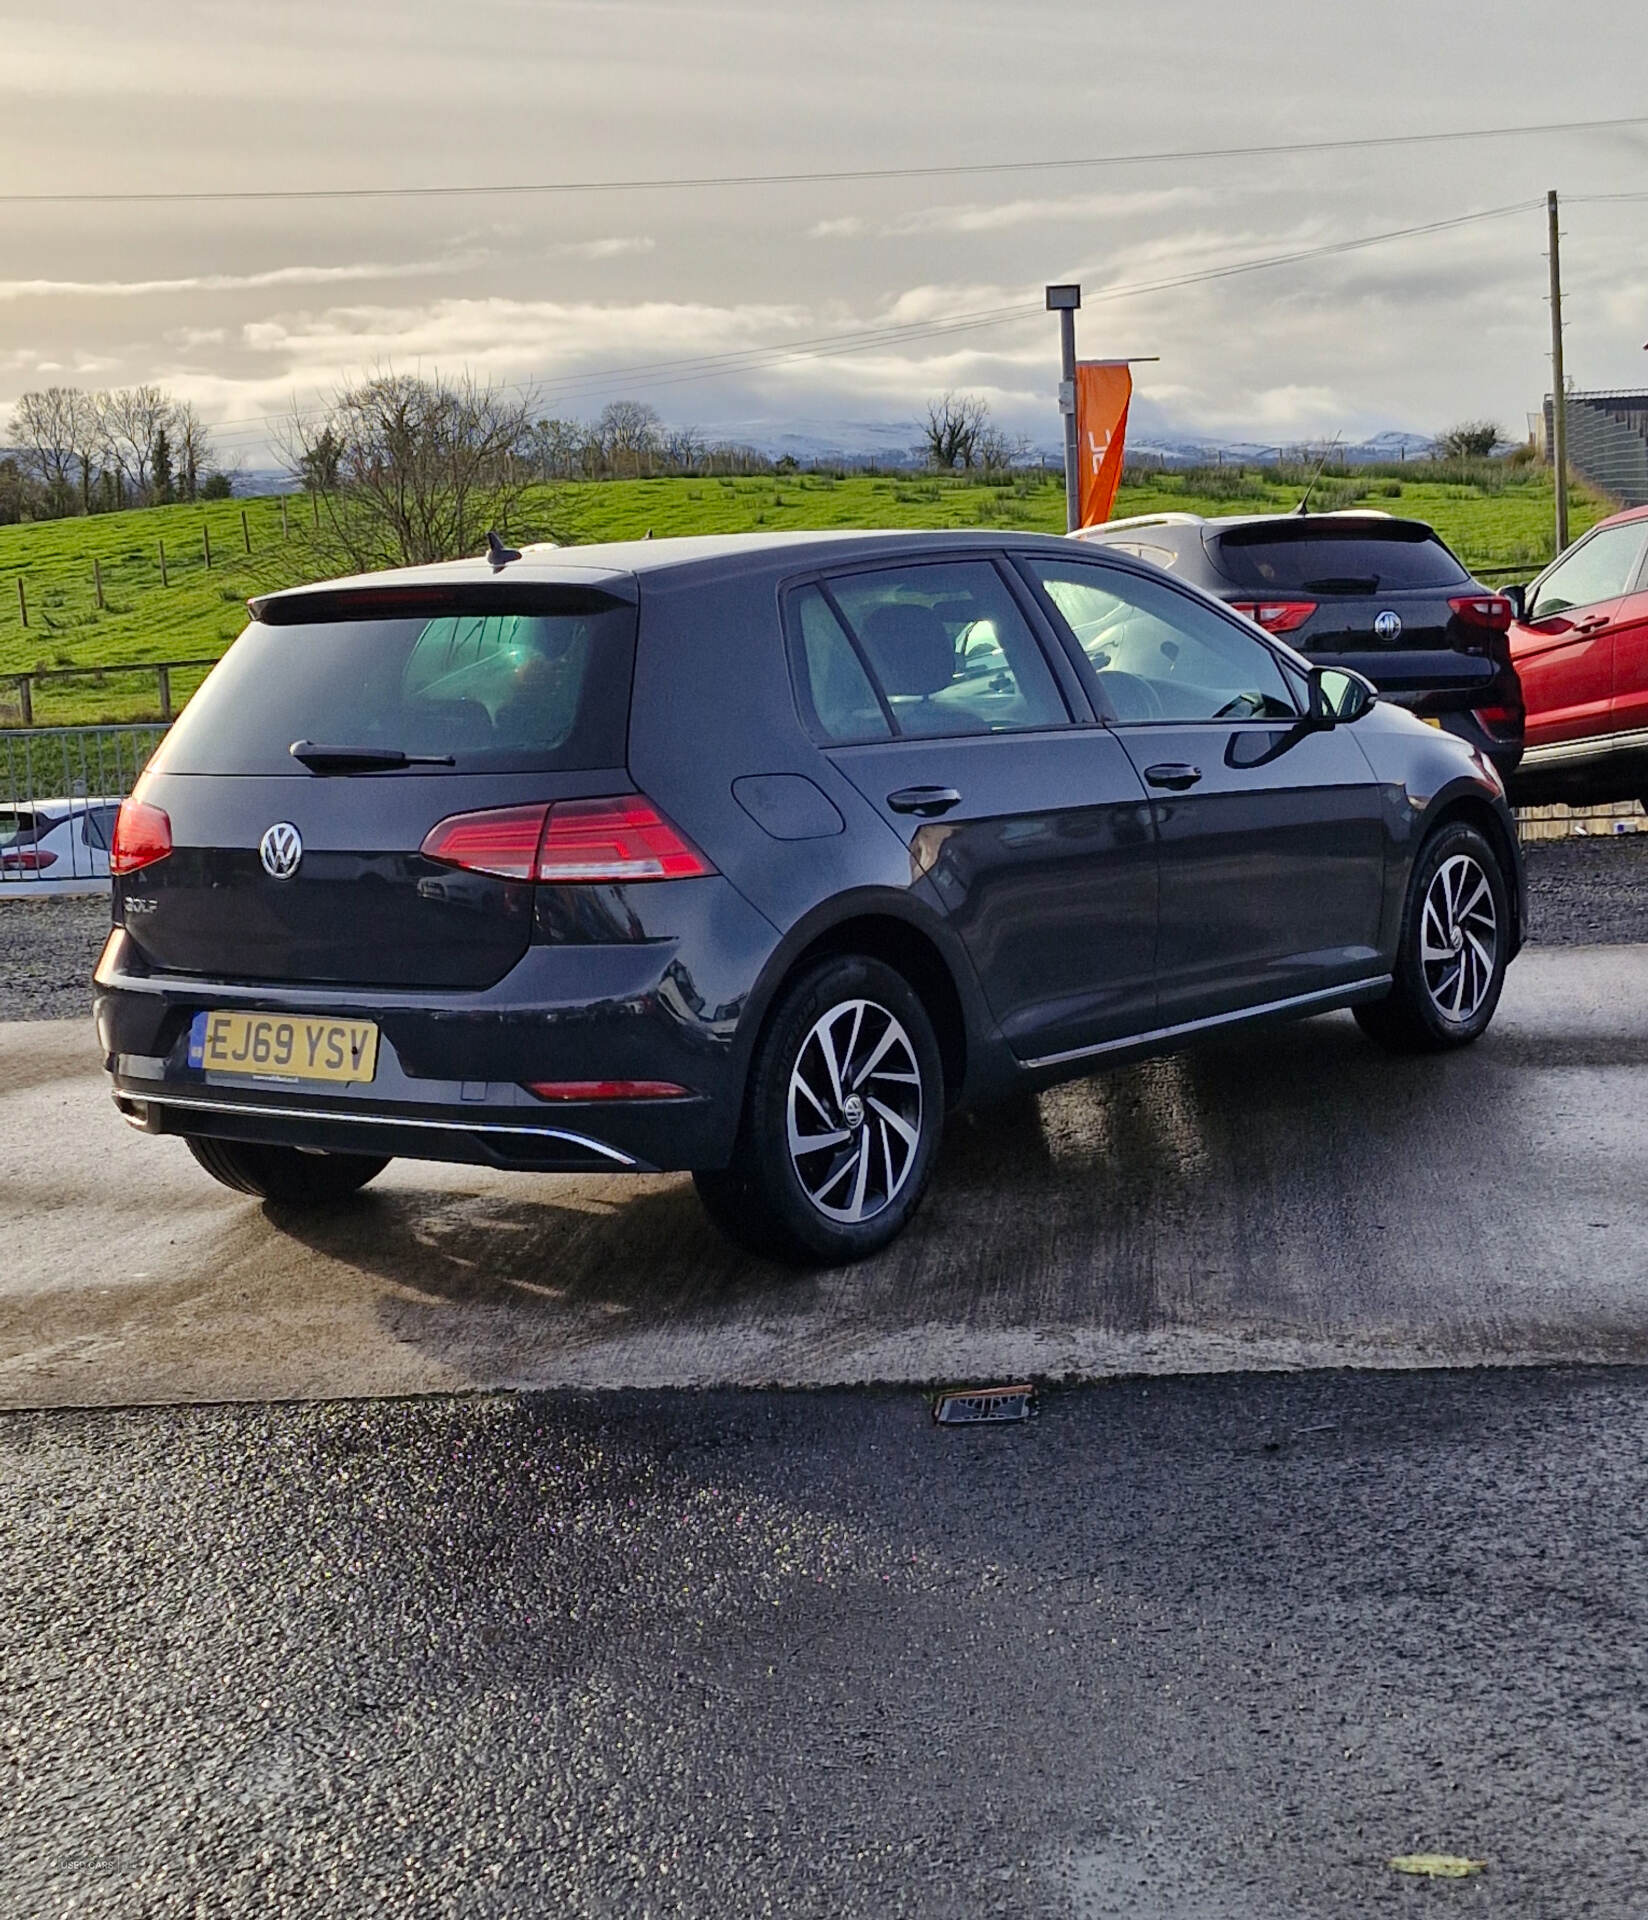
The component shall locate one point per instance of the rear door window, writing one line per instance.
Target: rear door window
(97, 825)
(946, 648)
(844, 706)
(1601, 567)
(1305, 556)
(537, 690)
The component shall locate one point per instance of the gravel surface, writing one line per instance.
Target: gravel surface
(47, 951)
(1588, 892)
(1177, 1650)
(1581, 893)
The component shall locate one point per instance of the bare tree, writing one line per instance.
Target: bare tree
(684, 449)
(413, 469)
(628, 430)
(87, 433)
(43, 429)
(131, 417)
(996, 449)
(953, 425)
(192, 448)
(555, 448)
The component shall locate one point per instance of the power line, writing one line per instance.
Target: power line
(821, 177)
(662, 373)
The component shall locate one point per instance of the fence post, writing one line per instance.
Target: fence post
(22, 602)
(206, 543)
(163, 580)
(245, 531)
(25, 689)
(314, 501)
(163, 676)
(285, 531)
(97, 582)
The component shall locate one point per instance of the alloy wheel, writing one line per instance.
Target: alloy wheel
(1458, 938)
(854, 1111)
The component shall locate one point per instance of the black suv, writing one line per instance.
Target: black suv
(757, 857)
(1363, 590)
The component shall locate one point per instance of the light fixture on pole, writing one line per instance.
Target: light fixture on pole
(1064, 300)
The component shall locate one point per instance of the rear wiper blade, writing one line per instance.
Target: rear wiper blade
(320, 759)
(1344, 583)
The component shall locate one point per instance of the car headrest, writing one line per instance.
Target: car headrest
(910, 648)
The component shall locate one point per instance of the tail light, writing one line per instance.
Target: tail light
(1277, 616)
(1501, 723)
(1490, 610)
(607, 841)
(27, 860)
(503, 841)
(142, 835)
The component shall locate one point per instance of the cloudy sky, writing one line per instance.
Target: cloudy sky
(246, 306)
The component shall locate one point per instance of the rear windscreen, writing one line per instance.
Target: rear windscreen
(509, 692)
(1316, 557)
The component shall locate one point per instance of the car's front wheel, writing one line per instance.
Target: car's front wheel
(1453, 949)
(283, 1174)
(841, 1120)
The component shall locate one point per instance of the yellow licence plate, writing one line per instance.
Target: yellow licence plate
(284, 1046)
(1431, 720)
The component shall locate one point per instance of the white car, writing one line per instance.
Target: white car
(55, 846)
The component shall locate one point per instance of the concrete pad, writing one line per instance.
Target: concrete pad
(1292, 1198)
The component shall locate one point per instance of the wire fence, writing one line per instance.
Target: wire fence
(59, 788)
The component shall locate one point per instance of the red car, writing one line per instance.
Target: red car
(1581, 649)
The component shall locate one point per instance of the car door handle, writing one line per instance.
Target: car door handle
(1172, 773)
(927, 801)
(1595, 624)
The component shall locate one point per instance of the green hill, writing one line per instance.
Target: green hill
(1497, 518)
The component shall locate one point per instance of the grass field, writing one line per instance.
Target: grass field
(1502, 519)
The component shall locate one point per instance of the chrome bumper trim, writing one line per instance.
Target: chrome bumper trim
(195, 1104)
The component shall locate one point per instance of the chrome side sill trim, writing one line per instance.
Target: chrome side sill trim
(1590, 746)
(370, 1120)
(1296, 1003)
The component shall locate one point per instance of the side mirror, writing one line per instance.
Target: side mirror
(1518, 597)
(1338, 697)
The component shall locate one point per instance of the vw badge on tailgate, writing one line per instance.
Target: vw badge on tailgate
(280, 850)
(1388, 626)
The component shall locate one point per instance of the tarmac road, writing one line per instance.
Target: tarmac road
(1292, 1198)
(1177, 1650)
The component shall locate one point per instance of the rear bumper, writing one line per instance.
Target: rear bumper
(490, 1139)
(453, 1068)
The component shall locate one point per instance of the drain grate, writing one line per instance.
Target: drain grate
(972, 1406)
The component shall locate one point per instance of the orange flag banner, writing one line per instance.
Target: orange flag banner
(1103, 391)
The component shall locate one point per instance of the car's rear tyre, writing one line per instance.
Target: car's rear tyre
(1453, 949)
(841, 1121)
(283, 1174)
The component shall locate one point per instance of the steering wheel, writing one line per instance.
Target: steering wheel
(1246, 706)
(1133, 696)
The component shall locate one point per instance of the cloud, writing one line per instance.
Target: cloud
(1004, 216)
(233, 282)
(611, 249)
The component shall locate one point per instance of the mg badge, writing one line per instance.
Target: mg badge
(280, 850)
(1388, 626)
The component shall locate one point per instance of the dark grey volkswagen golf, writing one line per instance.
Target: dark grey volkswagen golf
(758, 857)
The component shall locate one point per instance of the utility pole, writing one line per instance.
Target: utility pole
(1559, 396)
(1064, 300)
